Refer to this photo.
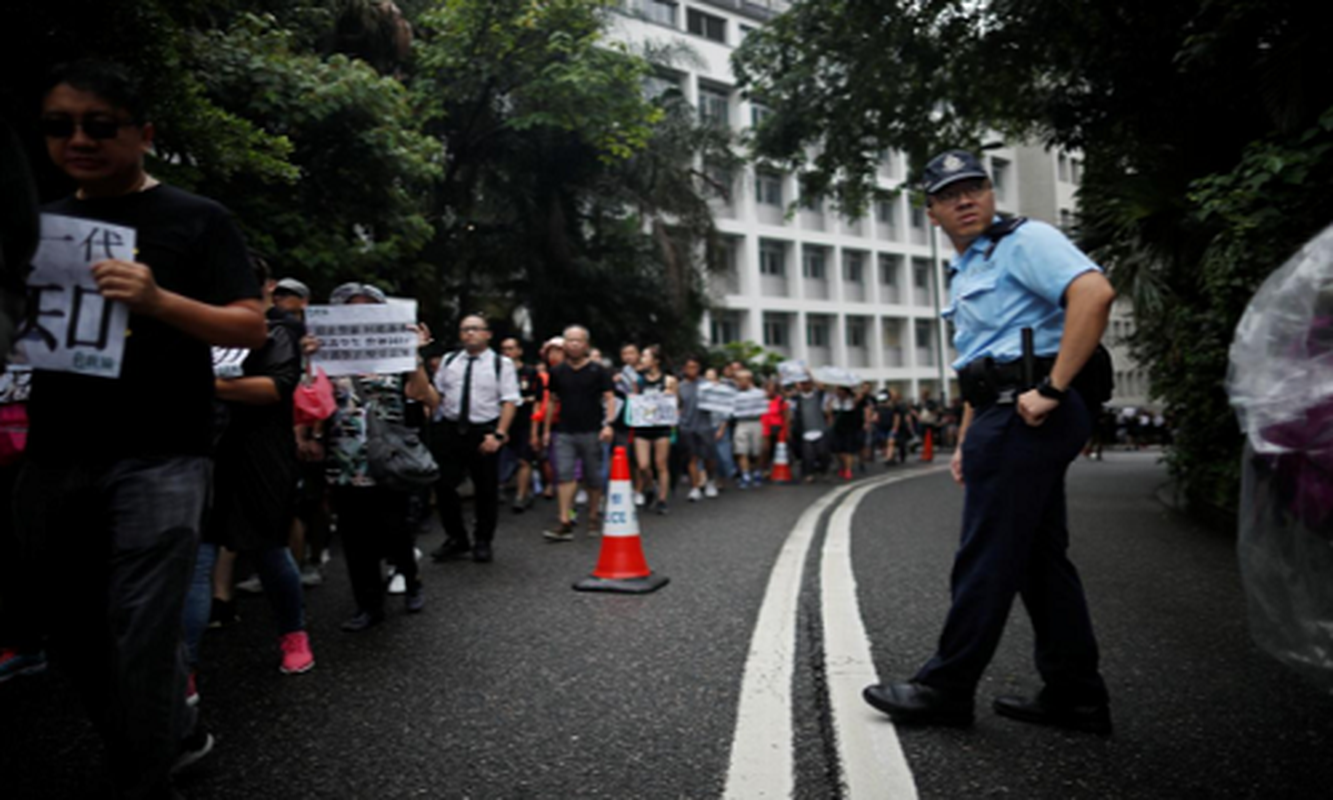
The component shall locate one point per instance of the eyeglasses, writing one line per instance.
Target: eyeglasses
(472, 328)
(953, 194)
(64, 127)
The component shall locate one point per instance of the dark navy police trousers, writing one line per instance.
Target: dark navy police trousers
(1014, 542)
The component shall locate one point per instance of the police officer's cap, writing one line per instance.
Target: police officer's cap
(950, 167)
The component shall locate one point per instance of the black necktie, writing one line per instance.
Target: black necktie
(464, 406)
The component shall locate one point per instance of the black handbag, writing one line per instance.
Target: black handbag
(397, 457)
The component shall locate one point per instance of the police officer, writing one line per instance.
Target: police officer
(1022, 426)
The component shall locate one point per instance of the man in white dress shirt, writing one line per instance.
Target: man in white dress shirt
(477, 394)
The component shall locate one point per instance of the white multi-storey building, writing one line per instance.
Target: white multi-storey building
(814, 285)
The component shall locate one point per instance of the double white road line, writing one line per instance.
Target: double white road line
(870, 759)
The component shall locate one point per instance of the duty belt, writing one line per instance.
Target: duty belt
(989, 382)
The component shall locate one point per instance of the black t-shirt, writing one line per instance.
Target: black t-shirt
(582, 408)
(162, 403)
(530, 389)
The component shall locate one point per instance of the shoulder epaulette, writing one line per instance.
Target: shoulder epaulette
(1001, 229)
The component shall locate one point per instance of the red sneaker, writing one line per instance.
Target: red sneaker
(191, 692)
(296, 655)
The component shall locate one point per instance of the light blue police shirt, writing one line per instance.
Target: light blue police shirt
(1022, 285)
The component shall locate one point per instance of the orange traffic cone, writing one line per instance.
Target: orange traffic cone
(621, 567)
(928, 449)
(781, 461)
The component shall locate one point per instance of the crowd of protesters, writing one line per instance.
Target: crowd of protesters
(160, 493)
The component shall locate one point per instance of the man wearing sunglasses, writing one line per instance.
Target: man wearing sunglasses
(1022, 425)
(118, 469)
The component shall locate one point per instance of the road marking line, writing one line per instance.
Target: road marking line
(870, 758)
(762, 764)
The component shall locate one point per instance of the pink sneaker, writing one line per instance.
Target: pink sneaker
(296, 655)
(191, 691)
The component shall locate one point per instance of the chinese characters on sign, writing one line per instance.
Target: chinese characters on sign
(371, 339)
(70, 327)
(651, 410)
(229, 362)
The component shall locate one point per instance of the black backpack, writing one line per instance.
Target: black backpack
(1095, 383)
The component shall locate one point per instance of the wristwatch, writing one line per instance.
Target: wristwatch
(501, 436)
(1049, 390)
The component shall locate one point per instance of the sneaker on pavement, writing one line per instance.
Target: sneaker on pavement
(296, 655)
(743, 482)
(581, 499)
(639, 499)
(710, 489)
(192, 690)
(415, 601)
(696, 494)
(397, 584)
(661, 508)
(222, 614)
(251, 585)
(564, 532)
(193, 748)
(311, 576)
(13, 664)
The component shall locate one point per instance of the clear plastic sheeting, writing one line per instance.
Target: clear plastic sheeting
(1281, 384)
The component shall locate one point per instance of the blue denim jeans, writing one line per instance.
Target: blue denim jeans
(282, 585)
(117, 542)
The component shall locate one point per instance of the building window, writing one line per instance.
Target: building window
(925, 344)
(890, 269)
(853, 267)
(816, 333)
(812, 203)
(999, 176)
(775, 332)
(718, 182)
(772, 259)
(714, 107)
(921, 281)
(660, 11)
(758, 113)
(856, 333)
(813, 264)
(918, 218)
(655, 86)
(706, 25)
(1066, 220)
(1063, 167)
(1075, 170)
(724, 329)
(768, 188)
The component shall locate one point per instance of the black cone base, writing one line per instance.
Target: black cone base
(651, 583)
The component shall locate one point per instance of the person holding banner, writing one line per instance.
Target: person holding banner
(652, 439)
(109, 503)
(697, 431)
(748, 439)
(372, 519)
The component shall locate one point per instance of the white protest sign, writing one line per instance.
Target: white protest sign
(717, 398)
(229, 362)
(15, 383)
(364, 339)
(652, 410)
(70, 327)
(793, 371)
(751, 404)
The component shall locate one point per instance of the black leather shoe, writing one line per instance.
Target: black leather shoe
(481, 553)
(362, 621)
(1088, 718)
(916, 703)
(450, 550)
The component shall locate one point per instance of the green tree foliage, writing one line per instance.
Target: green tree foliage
(1199, 122)
(315, 152)
(559, 174)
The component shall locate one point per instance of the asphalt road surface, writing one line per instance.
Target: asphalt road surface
(511, 685)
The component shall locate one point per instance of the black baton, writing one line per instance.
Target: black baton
(1029, 360)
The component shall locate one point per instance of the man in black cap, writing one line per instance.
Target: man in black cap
(1028, 310)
